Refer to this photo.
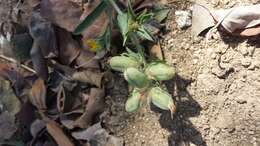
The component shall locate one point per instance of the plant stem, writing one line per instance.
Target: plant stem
(136, 42)
(118, 10)
(16, 62)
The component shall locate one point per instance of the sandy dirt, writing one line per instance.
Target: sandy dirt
(217, 91)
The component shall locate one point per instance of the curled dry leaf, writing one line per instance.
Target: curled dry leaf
(89, 76)
(156, 51)
(201, 19)
(38, 94)
(65, 96)
(69, 48)
(94, 106)
(64, 13)
(242, 20)
(57, 134)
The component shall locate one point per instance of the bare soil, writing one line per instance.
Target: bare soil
(217, 91)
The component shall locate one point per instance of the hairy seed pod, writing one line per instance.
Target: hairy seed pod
(121, 63)
(133, 102)
(161, 99)
(136, 78)
(160, 71)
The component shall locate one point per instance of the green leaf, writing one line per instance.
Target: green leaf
(161, 14)
(122, 20)
(105, 39)
(90, 18)
(130, 11)
(144, 16)
(142, 32)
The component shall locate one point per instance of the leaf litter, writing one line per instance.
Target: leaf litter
(59, 90)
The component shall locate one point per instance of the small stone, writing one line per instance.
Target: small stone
(244, 51)
(183, 19)
(251, 50)
(195, 61)
(241, 100)
(213, 56)
(170, 41)
(246, 62)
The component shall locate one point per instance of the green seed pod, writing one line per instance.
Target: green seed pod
(121, 63)
(133, 102)
(160, 71)
(161, 99)
(136, 78)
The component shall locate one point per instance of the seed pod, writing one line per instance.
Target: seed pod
(161, 99)
(121, 63)
(136, 78)
(133, 102)
(160, 71)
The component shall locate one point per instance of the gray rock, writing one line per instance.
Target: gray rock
(183, 19)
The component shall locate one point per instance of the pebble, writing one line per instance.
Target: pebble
(213, 56)
(241, 100)
(246, 62)
(244, 51)
(251, 51)
(183, 19)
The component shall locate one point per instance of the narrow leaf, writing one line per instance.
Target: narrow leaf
(122, 20)
(142, 32)
(90, 18)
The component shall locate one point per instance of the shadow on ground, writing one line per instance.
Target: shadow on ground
(183, 132)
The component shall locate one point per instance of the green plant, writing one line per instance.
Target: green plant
(143, 75)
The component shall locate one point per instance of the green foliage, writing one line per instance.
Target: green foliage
(133, 102)
(90, 18)
(144, 77)
(130, 23)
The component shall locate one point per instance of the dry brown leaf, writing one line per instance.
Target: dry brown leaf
(239, 18)
(57, 134)
(249, 31)
(87, 134)
(64, 13)
(94, 106)
(89, 76)
(87, 60)
(33, 3)
(7, 125)
(44, 35)
(201, 19)
(156, 51)
(242, 20)
(39, 62)
(36, 127)
(69, 48)
(38, 94)
(45, 44)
